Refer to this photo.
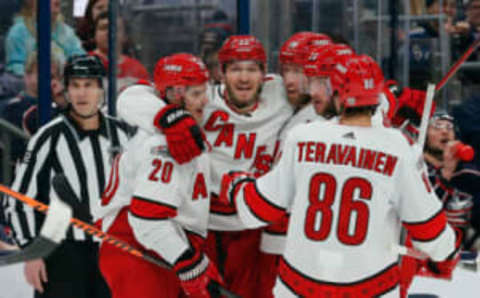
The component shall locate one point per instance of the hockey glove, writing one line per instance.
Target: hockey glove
(410, 107)
(231, 185)
(444, 269)
(198, 276)
(185, 139)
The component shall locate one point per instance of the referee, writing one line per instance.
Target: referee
(79, 143)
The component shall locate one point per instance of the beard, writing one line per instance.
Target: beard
(435, 152)
(242, 104)
(330, 110)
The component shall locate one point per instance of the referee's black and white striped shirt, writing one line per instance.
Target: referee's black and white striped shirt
(61, 146)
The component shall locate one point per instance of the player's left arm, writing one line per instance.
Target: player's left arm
(154, 205)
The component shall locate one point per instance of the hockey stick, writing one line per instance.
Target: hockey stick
(52, 233)
(453, 70)
(427, 107)
(65, 192)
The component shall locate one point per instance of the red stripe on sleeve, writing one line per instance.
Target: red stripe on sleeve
(148, 209)
(427, 230)
(113, 182)
(260, 207)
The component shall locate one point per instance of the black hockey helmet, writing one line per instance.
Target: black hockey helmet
(84, 66)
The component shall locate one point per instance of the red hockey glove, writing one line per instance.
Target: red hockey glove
(185, 139)
(410, 107)
(392, 91)
(198, 276)
(230, 186)
(444, 269)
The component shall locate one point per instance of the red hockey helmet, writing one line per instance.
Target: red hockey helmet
(242, 47)
(179, 70)
(359, 81)
(297, 47)
(321, 61)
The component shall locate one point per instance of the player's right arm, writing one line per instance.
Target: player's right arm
(421, 211)
(265, 200)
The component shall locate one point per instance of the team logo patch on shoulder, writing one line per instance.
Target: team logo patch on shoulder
(159, 150)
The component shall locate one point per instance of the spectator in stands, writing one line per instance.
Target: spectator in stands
(473, 14)
(16, 107)
(86, 26)
(421, 44)
(10, 85)
(129, 70)
(464, 33)
(467, 116)
(7, 11)
(454, 181)
(220, 20)
(211, 40)
(21, 38)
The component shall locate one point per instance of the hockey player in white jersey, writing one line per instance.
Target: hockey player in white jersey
(349, 187)
(316, 63)
(292, 56)
(242, 121)
(156, 204)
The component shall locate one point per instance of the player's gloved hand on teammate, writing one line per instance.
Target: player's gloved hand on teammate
(185, 139)
(198, 276)
(231, 184)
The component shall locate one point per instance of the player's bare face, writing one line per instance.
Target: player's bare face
(320, 92)
(243, 80)
(85, 96)
(295, 83)
(175, 94)
(439, 133)
(195, 100)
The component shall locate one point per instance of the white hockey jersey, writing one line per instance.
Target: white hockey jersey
(164, 199)
(274, 237)
(242, 142)
(349, 190)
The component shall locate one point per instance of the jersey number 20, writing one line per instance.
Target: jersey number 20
(321, 204)
(161, 171)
